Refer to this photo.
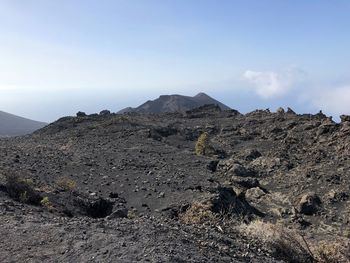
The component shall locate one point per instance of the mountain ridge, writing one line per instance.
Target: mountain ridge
(175, 103)
(13, 125)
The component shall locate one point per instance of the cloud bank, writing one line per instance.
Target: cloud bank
(294, 87)
(270, 84)
(333, 100)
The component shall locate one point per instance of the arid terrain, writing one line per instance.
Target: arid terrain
(206, 185)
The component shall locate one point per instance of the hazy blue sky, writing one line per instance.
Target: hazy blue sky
(61, 56)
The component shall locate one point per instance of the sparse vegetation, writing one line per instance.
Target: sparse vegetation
(23, 197)
(202, 144)
(346, 233)
(139, 186)
(28, 181)
(285, 244)
(66, 183)
(332, 252)
(289, 245)
(197, 213)
(21, 189)
(132, 214)
(45, 202)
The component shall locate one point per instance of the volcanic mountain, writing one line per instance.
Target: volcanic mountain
(12, 125)
(175, 103)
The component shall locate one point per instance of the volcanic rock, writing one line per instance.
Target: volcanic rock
(105, 112)
(81, 114)
(145, 175)
(345, 118)
(309, 204)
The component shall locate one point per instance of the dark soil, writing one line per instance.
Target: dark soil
(130, 177)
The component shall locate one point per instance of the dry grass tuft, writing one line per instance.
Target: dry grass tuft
(66, 183)
(132, 214)
(285, 244)
(198, 213)
(289, 245)
(333, 252)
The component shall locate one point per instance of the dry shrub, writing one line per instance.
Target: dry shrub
(333, 252)
(198, 213)
(290, 246)
(346, 233)
(66, 183)
(132, 214)
(285, 244)
(202, 144)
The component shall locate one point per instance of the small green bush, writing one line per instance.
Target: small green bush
(45, 201)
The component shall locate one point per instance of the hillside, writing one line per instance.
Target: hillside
(131, 188)
(175, 103)
(12, 125)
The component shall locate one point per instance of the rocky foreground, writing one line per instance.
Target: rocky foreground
(202, 186)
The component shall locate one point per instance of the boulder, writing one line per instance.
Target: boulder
(290, 111)
(335, 196)
(225, 165)
(345, 118)
(120, 212)
(212, 165)
(81, 114)
(225, 199)
(105, 112)
(238, 170)
(254, 193)
(280, 110)
(252, 155)
(309, 204)
(245, 182)
(266, 163)
(321, 115)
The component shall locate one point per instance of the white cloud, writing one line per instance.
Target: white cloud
(332, 100)
(6, 88)
(270, 84)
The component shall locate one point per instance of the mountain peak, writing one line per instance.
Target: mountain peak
(175, 103)
(201, 94)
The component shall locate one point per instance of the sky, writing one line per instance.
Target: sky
(58, 57)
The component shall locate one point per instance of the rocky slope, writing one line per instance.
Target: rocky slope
(130, 188)
(175, 103)
(12, 125)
